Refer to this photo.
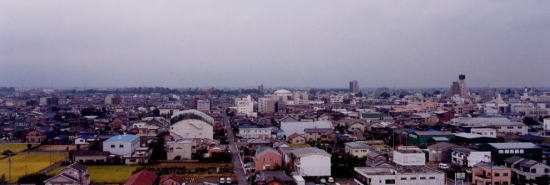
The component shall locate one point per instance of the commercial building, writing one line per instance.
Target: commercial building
(400, 175)
(123, 145)
(311, 162)
(466, 157)
(354, 86)
(192, 124)
(424, 138)
(409, 156)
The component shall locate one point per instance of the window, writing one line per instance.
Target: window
(403, 178)
(422, 178)
(521, 151)
(432, 178)
(121, 146)
(500, 151)
(413, 178)
(390, 181)
(505, 174)
(112, 146)
(497, 174)
(534, 170)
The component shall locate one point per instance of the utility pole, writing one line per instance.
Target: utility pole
(9, 167)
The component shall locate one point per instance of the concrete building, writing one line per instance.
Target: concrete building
(466, 157)
(400, 175)
(354, 86)
(254, 132)
(440, 152)
(192, 124)
(122, 145)
(283, 95)
(546, 125)
(409, 156)
(458, 88)
(179, 149)
(266, 105)
(487, 173)
(244, 105)
(424, 138)
(203, 105)
(501, 124)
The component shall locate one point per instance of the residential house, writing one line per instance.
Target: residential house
(35, 136)
(74, 174)
(273, 178)
(296, 139)
(171, 179)
(267, 158)
(357, 149)
(526, 170)
(254, 132)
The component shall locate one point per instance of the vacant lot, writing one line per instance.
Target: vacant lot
(22, 164)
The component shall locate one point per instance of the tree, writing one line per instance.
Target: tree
(7, 152)
(3, 179)
(385, 95)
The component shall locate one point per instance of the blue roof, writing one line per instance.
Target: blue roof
(125, 138)
(356, 145)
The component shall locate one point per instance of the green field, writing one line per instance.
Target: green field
(106, 173)
(22, 164)
(14, 147)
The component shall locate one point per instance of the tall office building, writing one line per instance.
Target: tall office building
(266, 105)
(354, 86)
(459, 87)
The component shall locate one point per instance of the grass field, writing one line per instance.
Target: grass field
(22, 164)
(106, 173)
(14, 147)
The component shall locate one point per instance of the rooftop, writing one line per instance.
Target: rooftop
(124, 138)
(518, 145)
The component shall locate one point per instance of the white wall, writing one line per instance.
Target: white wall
(126, 150)
(189, 129)
(314, 165)
(409, 159)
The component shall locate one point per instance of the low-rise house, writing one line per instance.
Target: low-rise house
(466, 157)
(35, 136)
(487, 132)
(74, 174)
(143, 177)
(311, 162)
(486, 173)
(122, 145)
(526, 170)
(314, 134)
(296, 139)
(357, 149)
(267, 158)
(400, 175)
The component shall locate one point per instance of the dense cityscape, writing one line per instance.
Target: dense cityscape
(437, 136)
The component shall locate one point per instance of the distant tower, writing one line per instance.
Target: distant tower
(354, 86)
(459, 87)
(261, 89)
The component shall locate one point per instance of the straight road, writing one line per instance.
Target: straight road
(237, 162)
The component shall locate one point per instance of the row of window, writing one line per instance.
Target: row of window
(516, 151)
(120, 146)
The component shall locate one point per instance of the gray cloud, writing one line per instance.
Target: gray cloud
(313, 43)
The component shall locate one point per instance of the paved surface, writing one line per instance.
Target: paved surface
(237, 163)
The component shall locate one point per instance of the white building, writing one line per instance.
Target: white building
(311, 162)
(283, 95)
(400, 175)
(123, 145)
(466, 157)
(487, 132)
(409, 156)
(244, 105)
(203, 105)
(179, 149)
(253, 132)
(192, 124)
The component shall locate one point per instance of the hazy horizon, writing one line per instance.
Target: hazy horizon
(244, 43)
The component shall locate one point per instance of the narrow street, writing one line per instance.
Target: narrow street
(237, 162)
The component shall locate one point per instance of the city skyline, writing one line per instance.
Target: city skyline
(423, 44)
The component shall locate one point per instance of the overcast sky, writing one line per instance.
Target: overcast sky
(295, 43)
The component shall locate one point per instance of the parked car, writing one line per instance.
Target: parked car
(443, 166)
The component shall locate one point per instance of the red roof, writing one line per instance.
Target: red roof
(172, 177)
(294, 135)
(144, 177)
